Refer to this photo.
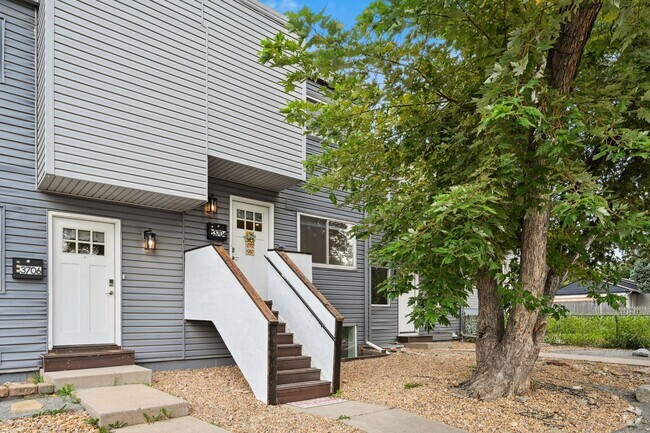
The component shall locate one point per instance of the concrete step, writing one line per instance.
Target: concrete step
(128, 404)
(186, 424)
(97, 377)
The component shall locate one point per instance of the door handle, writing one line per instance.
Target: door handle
(110, 292)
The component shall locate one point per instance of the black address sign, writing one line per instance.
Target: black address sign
(218, 232)
(27, 269)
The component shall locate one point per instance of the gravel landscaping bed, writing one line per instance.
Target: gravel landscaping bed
(565, 396)
(221, 396)
(70, 422)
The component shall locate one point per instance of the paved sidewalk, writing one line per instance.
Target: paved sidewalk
(373, 418)
(624, 357)
(588, 355)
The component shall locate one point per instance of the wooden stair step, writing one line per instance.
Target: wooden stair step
(285, 338)
(414, 338)
(289, 349)
(276, 313)
(298, 375)
(282, 327)
(269, 304)
(87, 358)
(293, 362)
(289, 392)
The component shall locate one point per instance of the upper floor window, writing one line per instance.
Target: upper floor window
(2, 50)
(329, 241)
(378, 276)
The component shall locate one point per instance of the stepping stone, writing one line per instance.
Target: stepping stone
(96, 377)
(129, 403)
(187, 424)
(26, 406)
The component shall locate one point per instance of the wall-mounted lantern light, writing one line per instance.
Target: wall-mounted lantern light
(149, 240)
(212, 205)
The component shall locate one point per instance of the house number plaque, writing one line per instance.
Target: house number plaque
(217, 232)
(27, 269)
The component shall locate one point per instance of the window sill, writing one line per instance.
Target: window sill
(336, 267)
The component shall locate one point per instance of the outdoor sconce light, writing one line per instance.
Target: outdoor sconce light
(149, 240)
(212, 205)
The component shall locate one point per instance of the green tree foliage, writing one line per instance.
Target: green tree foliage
(444, 126)
(641, 275)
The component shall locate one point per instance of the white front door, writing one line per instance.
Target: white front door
(83, 282)
(404, 312)
(251, 237)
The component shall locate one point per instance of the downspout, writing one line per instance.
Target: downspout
(366, 293)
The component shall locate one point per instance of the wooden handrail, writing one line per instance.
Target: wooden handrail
(303, 278)
(248, 287)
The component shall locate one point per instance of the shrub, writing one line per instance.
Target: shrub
(625, 332)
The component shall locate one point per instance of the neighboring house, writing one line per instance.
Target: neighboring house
(133, 136)
(575, 297)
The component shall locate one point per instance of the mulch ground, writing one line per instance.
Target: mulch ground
(567, 396)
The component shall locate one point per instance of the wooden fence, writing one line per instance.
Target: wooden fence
(589, 308)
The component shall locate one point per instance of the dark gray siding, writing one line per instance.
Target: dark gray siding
(384, 321)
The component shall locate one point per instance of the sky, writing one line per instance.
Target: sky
(343, 10)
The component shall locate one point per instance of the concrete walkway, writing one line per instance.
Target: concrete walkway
(610, 357)
(588, 355)
(373, 418)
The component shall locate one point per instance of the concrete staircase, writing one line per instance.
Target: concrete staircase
(123, 397)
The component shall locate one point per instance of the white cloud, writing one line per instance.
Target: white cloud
(283, 5)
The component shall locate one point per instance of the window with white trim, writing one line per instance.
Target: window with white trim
(329, 241)
(378, 276)
(2, 49)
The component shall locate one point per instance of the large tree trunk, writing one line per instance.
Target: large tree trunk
(506, 356)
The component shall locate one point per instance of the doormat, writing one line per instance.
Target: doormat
(323, 401)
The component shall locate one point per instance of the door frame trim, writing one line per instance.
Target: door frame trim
(254, 202)
(117, 241)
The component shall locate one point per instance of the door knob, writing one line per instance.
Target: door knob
(110, 292)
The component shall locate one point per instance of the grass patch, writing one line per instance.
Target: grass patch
(66, 390)
(411, 385)
(37, 377)
(342, 417)
(162, 416)
(622, 332)
(51, 412)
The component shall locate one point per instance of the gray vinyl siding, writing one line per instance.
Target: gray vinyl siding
(385, 321)
(152, 288)
(127, 84)
(245, 97)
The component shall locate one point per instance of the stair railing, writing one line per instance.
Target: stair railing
(315, 323)
(216, 290)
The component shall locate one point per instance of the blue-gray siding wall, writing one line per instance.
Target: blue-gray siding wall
(152, 315)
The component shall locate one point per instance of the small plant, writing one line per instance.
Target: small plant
(51, 412)
(66, 390)
(162, 415)
(472, 367)
(342, 417)
(411, 385)
(92, 421)
(37, 377)
(337, 394)
(104, 430)
(117, 424)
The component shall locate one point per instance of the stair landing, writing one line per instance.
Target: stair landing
(128, 404)
(98, 377)
(86, 356)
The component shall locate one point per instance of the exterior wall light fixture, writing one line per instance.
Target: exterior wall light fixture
(212, 205)
(149, 240)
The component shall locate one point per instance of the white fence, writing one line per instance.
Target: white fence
(582, 308)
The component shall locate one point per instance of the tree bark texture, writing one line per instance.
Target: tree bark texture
(506, 355)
